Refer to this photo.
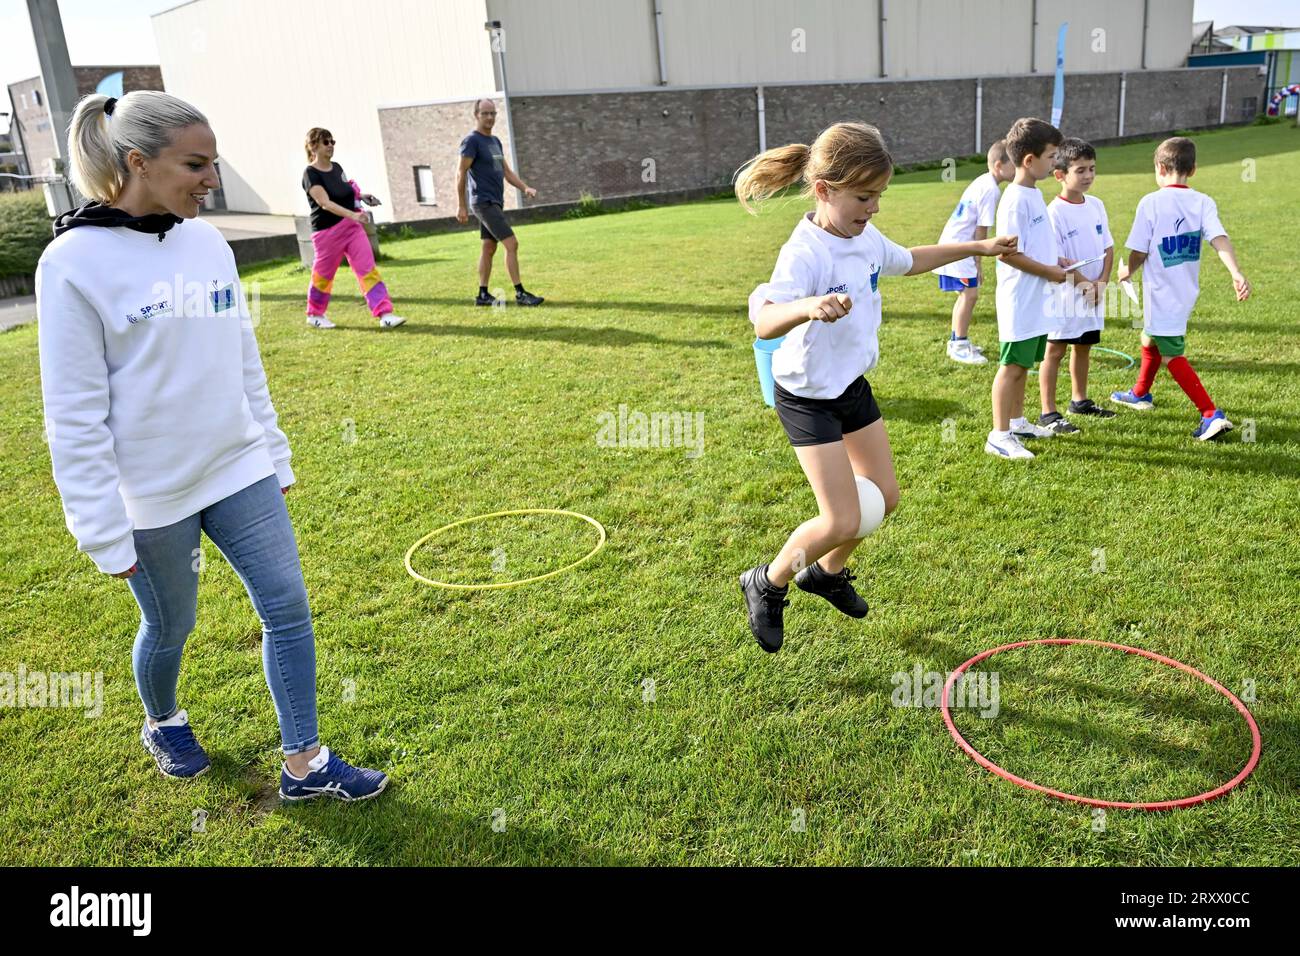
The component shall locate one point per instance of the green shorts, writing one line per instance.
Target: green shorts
(1025, 352)
(1169, 346)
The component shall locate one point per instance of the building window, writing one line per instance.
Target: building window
(36, 97)
(424, 186)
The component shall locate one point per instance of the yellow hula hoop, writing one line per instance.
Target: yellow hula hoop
(505, 584)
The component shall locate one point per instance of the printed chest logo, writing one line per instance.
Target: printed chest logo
(222, 297)
(197, 300)
(956, 213)
(1036, 220)
(158, 310)
(1099, 229)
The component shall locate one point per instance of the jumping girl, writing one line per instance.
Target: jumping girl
(823, 298)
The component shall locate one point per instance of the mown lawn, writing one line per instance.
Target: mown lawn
(535, 706)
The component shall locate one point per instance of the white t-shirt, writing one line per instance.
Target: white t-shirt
(1027, 305)
(1170, 226)
(978, 207)
(822, 359)
(1082, 232)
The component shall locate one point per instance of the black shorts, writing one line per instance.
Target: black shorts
(820, 421)
(492, 222)
(1091, 337)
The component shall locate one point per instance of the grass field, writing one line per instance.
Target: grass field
(533, 706)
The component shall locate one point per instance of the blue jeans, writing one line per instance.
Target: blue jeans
(251, 528)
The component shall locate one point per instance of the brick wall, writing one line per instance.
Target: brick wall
(430, 135)
(622, 144)
(652, 141)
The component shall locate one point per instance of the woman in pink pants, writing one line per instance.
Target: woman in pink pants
(338, 230)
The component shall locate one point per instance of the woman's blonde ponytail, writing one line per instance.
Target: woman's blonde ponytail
(143, 120)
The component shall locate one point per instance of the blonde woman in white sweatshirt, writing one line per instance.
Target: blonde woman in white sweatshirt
(161, 426)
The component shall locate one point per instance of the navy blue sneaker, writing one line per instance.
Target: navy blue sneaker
(1140, 403)
(1212, 426)
(331, 777)
(174, 748)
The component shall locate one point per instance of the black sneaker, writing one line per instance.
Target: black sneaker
(1056, 423)
(527, 298)
(485, 298)
(766, 607)
(833, 587)
(1089, 407)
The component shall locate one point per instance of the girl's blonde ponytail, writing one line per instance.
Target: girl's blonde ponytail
(846, 155)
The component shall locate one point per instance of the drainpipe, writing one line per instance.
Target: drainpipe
(1123, 95)
(762, 122)
(884, 19)
(1033, 38)
(1146, 14)
(659, 43)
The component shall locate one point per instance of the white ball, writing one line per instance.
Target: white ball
(871, 501)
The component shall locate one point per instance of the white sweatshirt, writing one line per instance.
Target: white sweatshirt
(156, 403)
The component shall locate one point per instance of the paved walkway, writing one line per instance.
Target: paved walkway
(17, 311)
(247, 225)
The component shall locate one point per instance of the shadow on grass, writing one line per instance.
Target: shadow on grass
(921, 411)
(392, 831)
(1261, 462)
(571, 335)
(684, 309)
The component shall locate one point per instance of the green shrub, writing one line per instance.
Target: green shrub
(24, 232)
(588, 205)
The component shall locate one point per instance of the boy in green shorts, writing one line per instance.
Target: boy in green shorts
(1027, 303)
(1168, 229)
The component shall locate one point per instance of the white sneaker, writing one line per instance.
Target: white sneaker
(1031, 430)
(390, 321)
(320, 322)
(961, 350)
(1008, 447)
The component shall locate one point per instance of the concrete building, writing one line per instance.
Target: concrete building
(625, 97)
(29, 125)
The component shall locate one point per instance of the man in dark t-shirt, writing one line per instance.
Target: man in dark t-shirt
(483, 161)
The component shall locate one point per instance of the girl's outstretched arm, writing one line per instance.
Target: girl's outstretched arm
(928, 258)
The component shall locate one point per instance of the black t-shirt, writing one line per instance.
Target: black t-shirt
(336, 188)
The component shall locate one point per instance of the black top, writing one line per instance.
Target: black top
(336, 188)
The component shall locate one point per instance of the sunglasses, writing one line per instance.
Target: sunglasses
(327, 142)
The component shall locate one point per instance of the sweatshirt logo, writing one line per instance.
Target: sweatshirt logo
(842, 287)
(223, 296)
(158, 310)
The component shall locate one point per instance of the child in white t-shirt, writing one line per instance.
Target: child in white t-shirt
(1168, 230)
(1028, 291)
(974, 216)
(1082, 235)
(824, 299)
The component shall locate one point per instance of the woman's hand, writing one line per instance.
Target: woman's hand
(284, 491)
(358, 216)
(828, 308)
(530, 192)
(129, 571)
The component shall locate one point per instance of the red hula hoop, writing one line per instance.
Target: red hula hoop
(989, 765)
